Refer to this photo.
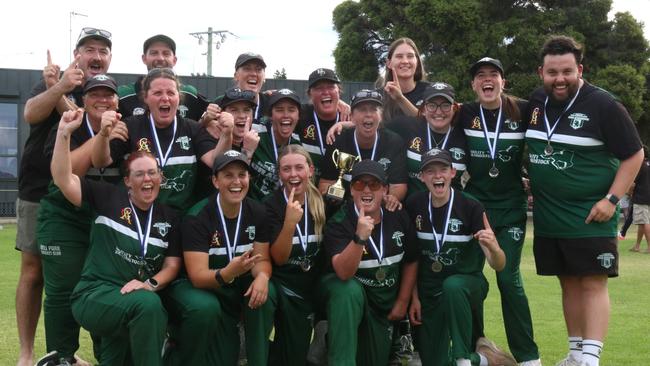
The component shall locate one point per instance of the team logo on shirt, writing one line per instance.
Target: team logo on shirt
(184, 142)
(606, 259)
(454, 225)
(560, 160)
(310, 132)
(144, 145)
(577, 120)
(385, 162)
(456, 153)
(177, 183)
(251, 232)
(476, 123)
(215, 242)
(418, 222)
(126, 214)
(506, 155)
(515, 233)
(534, 116)
(138, 111)
(512, 125)
(182, 109)
(415, 144)
(397, 236)
(163, 228)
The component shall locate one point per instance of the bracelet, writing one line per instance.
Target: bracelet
(220, 280)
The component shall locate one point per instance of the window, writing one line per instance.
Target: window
(8, 140)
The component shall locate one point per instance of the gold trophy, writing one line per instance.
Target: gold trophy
(343, 162)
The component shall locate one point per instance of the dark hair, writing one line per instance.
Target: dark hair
(390, 107)
(126, 165)
(157, 73)
(560, 45)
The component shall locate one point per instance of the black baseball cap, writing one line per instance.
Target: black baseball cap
(323, 74)
(249, 56)
(228, 157)
(234, 95)
(94, 33)
(366, 95)
(440, 89)
(435, 156)
(98, 81)
(278, 95)
(369, 167)
(486, 61)
(159, 38)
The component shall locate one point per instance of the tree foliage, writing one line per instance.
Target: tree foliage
(280, 74)
(452, 35)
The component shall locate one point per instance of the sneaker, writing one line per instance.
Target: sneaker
(317, 354)
(50, 359)
(494, 355)
(536, 362)
(621, 236)
(569, 361)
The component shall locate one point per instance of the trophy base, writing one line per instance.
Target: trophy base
(335, 193)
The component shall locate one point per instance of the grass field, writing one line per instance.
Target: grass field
(625, 344)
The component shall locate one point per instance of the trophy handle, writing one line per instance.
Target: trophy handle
(335, 157)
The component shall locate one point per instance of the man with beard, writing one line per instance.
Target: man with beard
(51, 96)
(159, 51)
(584, 152)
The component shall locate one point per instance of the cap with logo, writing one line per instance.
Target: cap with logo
(278, 95)
(94, 33)
(323, 74)
(371, 168)
(234, 95)
(228, 157)
(435, 156)
(366, 95)
(249, 56)
(439, 89)
(486, 61)
(101, 80)
(159, 38)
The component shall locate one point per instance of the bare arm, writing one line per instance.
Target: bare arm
(101, 150)
(61, 165)
(259, 288)
(346, 263)
(490, 246)
(407, 283)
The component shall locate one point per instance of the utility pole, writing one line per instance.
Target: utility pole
(210, 33)
(72, 13)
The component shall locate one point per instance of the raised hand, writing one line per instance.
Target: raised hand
(71, 120)
(109, 122)
(365, 224)
(486, 237)
(73, 76)
(294, 211)
(51, 72)
(392, 88)
(119, 130)
(251, 140)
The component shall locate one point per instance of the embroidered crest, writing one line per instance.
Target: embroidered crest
(215, 242)
(415, 144)
(397, 236)
(534, 116)
(144, 145)
(163, 228)
(184, 142)
(310, 132)
(126, 214)
(476, 123)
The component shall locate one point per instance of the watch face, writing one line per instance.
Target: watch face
(153, 282)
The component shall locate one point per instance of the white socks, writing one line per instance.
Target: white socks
(591, 350)
(463, 362)
(575, 348)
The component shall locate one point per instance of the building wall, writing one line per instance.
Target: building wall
(15, 89)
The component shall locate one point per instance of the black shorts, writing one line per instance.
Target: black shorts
(576, 257)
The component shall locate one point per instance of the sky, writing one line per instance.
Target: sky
(296, 35)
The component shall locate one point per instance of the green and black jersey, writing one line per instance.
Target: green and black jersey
(57, 217)
(189, 144)
(399, 246)
(203, 230)
(192, 104)
(116, 255)
(420, 139)
(390, 153)
(312, 132)
(290, 275)
(460, 253)
(264, 164)
(588, 143)
(506, 190)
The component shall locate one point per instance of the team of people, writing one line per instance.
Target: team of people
(262, 210)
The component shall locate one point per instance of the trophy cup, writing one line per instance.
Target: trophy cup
(343, 162)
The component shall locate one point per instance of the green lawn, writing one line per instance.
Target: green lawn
(625, 343)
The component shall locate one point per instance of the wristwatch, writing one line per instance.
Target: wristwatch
(152, 283)
(612, 198)
(359, 241)
(220, 280)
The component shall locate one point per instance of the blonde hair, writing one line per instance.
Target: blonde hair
(314, 198)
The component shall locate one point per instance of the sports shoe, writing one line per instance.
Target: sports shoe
(621, 236)
(536, 362)
(317, 354)
(50, 359)
(494, 355)
(569, 361)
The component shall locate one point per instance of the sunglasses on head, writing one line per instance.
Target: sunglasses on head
(161, 70)
(88, 31)
(360, 185)
(367, 94)
(240, 94)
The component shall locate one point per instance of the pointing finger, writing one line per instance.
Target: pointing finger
(49, 58)
(486, 223)
(293, 189)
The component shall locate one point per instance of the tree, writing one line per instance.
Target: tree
(280, 74)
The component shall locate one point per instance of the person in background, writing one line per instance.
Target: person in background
(50, 97)
(641, 204)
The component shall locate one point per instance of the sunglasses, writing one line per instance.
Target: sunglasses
(360, 185)
(240, 94)
(160, 71)
(88, 31)
(365, 93)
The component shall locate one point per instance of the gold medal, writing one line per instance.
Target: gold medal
(436, 266)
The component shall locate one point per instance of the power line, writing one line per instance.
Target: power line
(210, 34)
